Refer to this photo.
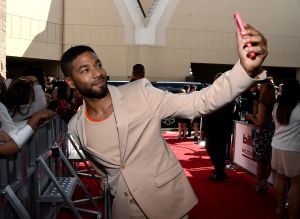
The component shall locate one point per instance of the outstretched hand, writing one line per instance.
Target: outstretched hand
(259, 47)
(39, 117)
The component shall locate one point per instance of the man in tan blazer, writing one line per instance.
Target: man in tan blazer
(119, 129)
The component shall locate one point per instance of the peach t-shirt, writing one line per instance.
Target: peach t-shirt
(94, 129)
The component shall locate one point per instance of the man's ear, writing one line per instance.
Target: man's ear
(70, 82)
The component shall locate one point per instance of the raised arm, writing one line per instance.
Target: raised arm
(225, 89)
(21, 133)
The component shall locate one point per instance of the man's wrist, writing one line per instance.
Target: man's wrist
(255, 72)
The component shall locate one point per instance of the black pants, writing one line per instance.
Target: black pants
(216, 145)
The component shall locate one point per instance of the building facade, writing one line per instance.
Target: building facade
(166, 36)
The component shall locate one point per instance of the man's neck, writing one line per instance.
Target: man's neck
(99, 109)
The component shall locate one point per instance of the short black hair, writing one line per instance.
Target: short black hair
(138, 70)
(69, 56)
(18, 94)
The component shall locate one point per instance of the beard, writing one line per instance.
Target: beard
(89, 92)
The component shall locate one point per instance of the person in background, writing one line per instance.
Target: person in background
(14, 135)
(247, 103)
(25, 97)
(195, 122)
(138, 72)
(38, 73)
(262, 134)
(188, 125)
(63, 102)
(182, 122)
(286, 149)
(76, 100)
(217, 129)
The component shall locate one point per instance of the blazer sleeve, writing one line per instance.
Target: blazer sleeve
(224, 90)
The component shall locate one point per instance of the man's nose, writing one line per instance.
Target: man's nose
(98, 72)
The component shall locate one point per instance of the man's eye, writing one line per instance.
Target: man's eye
(84, 70)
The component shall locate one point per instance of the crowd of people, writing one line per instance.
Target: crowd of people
(26, 102)
(274, 112)
(134, 161)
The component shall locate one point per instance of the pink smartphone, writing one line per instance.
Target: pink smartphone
(240, 25)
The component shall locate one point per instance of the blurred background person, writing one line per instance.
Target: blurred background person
(182, 122)
(184, 125)
(138, 72)
(38, 73)
(25, 96)
(196, 121)
(217, 129)
(187, 89)
(262, 134)
(247, 103)
(14, 135)
(64, 100)
(286, 149)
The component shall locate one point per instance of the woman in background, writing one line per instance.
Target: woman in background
(25, 96)
(262, 134)
(183, 123)
(286, 149)
(14, 135)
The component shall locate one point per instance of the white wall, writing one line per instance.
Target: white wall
(206, 27)
(34, 28)
(188, 31)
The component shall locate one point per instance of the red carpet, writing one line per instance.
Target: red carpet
(230, 199)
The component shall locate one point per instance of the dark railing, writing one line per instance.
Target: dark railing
(17, 171)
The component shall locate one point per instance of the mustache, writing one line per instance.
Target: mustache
(98, 79)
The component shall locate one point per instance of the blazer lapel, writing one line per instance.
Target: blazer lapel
(121, 114)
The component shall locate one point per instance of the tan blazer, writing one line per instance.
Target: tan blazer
(149, 171)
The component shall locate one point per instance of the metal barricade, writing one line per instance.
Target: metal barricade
(17, 170)
(24, 177)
